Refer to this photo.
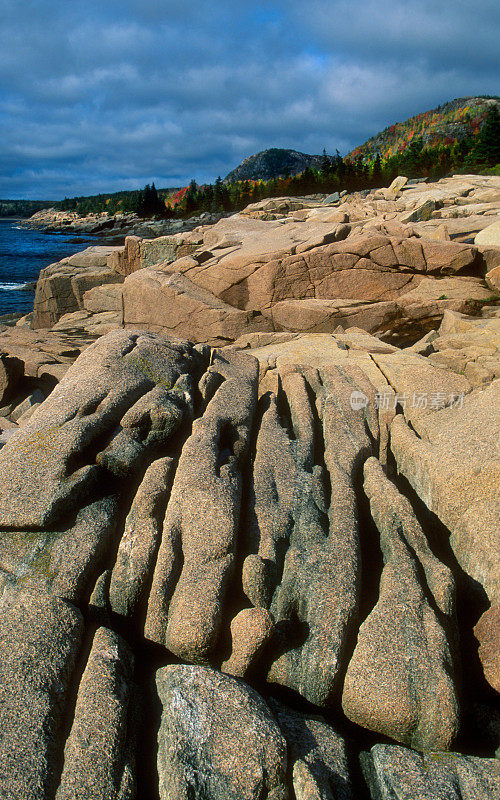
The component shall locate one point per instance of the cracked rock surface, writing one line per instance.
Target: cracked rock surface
(234, 572)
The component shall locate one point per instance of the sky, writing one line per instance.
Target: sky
(98, 96)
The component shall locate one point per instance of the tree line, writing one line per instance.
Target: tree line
(474, 153)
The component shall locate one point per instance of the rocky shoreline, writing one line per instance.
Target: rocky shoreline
(249, 510)
(111, 226)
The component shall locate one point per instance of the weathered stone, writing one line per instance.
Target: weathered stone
(85, 323)
(251, 630)
(395, 773)
(492, 278)
(489, 236)
(326, 315)
(394, 190)
(126, 259)
(98, 757)
(104, 298)
(35, 398)
(317, 754)
(310, 538)
(67, 562)
(400, 678)
(40, 637)
(421, 213)
(487, 632)
(196, 557)
(451, 460)
(39, 352)
(50, 467)
(170, 303)
(61, 286)
(217, 739)
(139, 544)
(11, 373)
(420, 387)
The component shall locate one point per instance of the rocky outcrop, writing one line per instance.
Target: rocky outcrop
(312, 515)
(381, 261)
(254, 275)
(61, 286)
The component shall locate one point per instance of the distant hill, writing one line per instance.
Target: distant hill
(452, 122)
(273, 163)
(22, 208)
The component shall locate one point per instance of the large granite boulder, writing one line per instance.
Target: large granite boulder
(61, 286)
(217, 739)
(196, 559)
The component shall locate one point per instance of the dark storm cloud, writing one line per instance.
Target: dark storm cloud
(105, 95)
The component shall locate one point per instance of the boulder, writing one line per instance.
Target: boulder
(61, 286)
(217, 739)
(421, 213)
(140, 541)
(489, 236)
(196, 558)
(251, 631)
(394, 190)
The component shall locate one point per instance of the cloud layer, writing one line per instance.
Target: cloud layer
(100, 96)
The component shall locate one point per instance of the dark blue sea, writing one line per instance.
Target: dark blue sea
(23, 253)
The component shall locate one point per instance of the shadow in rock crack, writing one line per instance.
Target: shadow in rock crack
(471, 603)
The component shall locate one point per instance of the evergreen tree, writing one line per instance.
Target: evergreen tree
(377, 170)
(486, 149)
(326, 164)
(149, 203)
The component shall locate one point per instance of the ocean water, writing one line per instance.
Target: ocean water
(23, 253)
